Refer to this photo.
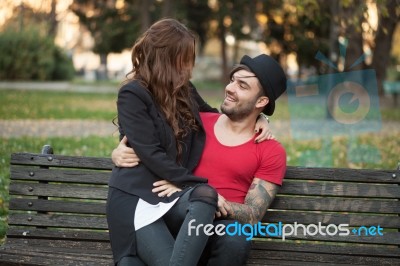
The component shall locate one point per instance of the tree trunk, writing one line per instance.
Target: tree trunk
(145, 15)
(353, 33)
(224, 57)
(383, 43)
(102, 72)
(333, 51)
(167, 9)
(53, 19)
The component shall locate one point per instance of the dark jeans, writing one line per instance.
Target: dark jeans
(225, 250)
(167, 241)
(218, 251)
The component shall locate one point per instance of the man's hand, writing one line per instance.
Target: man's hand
(224, 209)
(123, 156)
(262, 126)
(164, 188)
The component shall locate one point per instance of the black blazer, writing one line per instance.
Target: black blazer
(153, 141)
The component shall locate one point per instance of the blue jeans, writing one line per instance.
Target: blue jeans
(167, 242)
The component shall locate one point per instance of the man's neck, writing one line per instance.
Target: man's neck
(233, 133)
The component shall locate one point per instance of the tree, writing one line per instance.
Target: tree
(112, 28)
(389, 15)
(198, 16)
(53, 19)
(235, 18)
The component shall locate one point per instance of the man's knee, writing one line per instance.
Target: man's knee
(220, 248)
(237, 244)
(131, 261)
(204, 193)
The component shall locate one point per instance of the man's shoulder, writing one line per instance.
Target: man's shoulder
(272, 146)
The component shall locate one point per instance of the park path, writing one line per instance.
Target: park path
(84, 128)
(56, 128)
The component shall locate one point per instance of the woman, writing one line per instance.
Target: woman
(158, 111)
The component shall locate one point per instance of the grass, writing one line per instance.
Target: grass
(21, 104)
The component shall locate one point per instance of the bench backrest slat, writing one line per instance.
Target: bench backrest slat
(324, 188)
(343, 174)
(353, 219)
(364, 205)
(41, 205)
(35, 173)
(59, 190)
(59, 221)
(61, 161)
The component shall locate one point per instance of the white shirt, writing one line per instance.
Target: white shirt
(147, 213)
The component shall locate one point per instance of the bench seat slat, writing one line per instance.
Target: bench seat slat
(337, 259)
(45, 255)
(307, 246)
(272, 262)
(23, 257)
(391, 239)
(87, 247)
(59, 175)
(33, 232)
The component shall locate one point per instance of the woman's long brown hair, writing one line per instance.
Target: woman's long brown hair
(163, 59)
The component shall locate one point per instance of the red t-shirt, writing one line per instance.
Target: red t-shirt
(238, 165)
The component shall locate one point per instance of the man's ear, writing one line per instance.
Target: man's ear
(262, 102)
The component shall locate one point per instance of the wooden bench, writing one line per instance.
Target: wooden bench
(57, 206)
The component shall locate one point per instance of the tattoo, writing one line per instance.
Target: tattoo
(259, 197)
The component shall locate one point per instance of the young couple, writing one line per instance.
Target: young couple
(195, 164)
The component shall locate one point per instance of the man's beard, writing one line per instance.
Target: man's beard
(240, 112)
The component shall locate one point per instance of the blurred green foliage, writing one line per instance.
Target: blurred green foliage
(30, 55)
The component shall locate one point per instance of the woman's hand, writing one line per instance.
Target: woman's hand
(262, 126)
(123, 156)
(224, 209)
(164, 188)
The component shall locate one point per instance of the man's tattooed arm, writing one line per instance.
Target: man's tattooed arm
(259, 197)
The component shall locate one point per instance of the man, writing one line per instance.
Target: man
(245, 174)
